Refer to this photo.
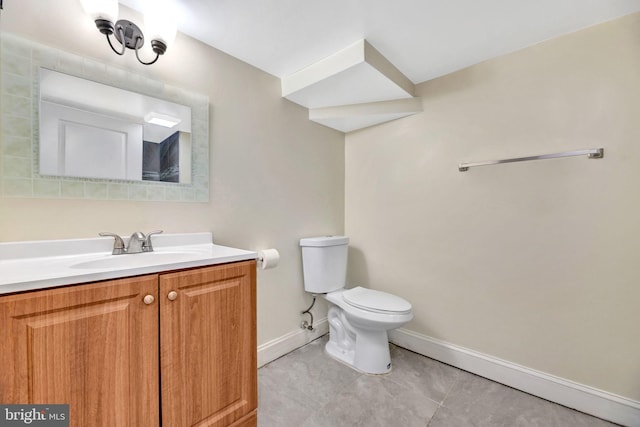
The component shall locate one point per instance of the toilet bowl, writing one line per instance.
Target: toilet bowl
(359, 318)
(358, 333)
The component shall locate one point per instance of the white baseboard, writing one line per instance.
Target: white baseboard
(278, 347)
(586, 399)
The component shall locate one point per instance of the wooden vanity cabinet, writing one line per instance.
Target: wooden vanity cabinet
(177, 349)
(94, 347)
(208, 345)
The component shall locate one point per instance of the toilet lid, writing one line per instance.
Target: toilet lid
(370, 300)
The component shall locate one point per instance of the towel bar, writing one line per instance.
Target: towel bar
(595, 153)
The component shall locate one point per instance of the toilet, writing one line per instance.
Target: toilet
(359, 318)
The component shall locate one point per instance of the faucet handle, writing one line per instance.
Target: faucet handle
(118, 244)
(147, 246)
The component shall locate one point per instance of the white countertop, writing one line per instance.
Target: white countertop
(33, 265)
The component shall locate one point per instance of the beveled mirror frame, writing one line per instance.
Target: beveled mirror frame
(20, 61)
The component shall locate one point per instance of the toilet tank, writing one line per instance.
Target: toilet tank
(324, 263)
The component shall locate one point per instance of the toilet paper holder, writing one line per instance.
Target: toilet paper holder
(268, 258)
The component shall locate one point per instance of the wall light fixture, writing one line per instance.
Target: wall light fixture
(159, 26)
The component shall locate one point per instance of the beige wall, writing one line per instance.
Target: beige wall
(535, 263)
(274, 175)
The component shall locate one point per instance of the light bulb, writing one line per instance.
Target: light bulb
(101, 9)
(160, 24)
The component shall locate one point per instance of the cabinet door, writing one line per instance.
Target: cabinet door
(94, 347)
(208, 345)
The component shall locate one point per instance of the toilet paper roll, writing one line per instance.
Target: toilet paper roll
(268, 258)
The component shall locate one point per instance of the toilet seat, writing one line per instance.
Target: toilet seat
(376, 301)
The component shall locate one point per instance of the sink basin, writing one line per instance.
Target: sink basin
(136, 260)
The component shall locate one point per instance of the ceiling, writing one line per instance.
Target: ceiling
(424, 39)
(355, 63)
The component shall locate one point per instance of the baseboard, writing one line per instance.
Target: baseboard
(586, 399)
(278, 347)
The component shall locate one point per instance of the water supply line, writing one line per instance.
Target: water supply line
(305, 324)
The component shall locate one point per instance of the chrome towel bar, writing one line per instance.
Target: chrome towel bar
(595, 153)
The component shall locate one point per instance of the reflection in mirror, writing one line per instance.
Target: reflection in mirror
(92, 130)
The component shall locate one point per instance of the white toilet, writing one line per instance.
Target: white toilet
(359, 318)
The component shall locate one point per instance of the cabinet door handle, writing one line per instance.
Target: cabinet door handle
(172, 295)
(149, 299)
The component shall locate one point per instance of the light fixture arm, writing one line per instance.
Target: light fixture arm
(151, 62)
(113, 48)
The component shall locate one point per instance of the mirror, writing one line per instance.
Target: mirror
(93, 130)
(21, 158)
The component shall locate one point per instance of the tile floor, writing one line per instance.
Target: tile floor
(306, 388)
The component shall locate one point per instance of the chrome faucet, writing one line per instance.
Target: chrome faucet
(138, 243)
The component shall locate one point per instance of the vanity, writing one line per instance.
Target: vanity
(162, 338)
